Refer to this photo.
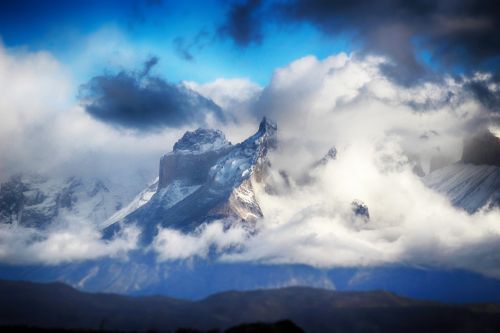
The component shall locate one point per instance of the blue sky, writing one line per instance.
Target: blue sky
(93, 36)
(251, 38)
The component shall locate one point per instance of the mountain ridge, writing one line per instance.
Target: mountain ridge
(313, 309)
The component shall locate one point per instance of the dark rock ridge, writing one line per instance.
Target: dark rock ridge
(314, 310)
(360, 209)
(330, 156)
(206, 178)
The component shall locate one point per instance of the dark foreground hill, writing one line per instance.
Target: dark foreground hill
(57, 305)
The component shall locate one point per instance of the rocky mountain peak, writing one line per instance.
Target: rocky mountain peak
(200, 141)
(268, 132)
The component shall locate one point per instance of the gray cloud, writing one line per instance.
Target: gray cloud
(460, 32)
(243, 23)
(142, 101)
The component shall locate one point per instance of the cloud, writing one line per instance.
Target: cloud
(409, 224)
(43, 129)
(486, 88)
(347, 101)
(77, 241)
(144, 102)
(381, 130)
(459, 32)
(230, 94)
(171, 244)
(243, 23)
(237, 97)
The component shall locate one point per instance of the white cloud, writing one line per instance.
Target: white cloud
(43, 129)
(171, 244)
(77, 242)
(381, 129)
(227, 93)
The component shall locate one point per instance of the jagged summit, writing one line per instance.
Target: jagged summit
(267, 133)
(200, 141)
(267, 126)
(206, 178)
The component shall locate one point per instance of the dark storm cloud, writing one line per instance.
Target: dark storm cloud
(455, 32)
(141, 101)
(244, 23)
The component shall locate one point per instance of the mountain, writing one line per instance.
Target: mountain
(315, 310)
(474, 182)
(204, 178)
(39, 201)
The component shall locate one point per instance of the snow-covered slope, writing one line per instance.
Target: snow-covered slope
(142, 198)
(39, 201)
(468, 186)
(202, 179)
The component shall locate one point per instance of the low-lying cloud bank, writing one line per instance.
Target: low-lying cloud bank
(78, 241)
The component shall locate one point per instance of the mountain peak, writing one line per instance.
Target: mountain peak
(267, 125)
(200, 141)
(206, 178)
(266, 136)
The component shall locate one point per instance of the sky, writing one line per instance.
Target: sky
(186, 36)
(107, 87)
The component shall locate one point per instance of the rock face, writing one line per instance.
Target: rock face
(482, 149)
(192, 156)
(206, 178)
(360, 209)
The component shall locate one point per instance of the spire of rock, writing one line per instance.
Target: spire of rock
(268, 130)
